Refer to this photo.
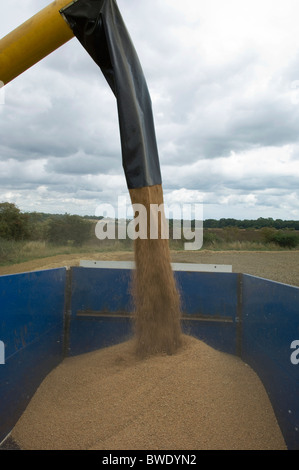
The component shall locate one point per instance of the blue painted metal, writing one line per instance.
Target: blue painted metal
(238, 314)
(98, 290)
(213, 294)
(31, 327)
(206, 297)
(210, 307)
(270, 322)
(101, 289)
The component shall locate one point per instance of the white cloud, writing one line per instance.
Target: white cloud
(221, 77)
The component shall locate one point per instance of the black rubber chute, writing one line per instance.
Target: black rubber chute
(100, 28)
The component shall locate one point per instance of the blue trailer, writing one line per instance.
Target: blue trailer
(49, 315)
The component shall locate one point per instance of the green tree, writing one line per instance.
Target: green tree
(68, 228)
(37, 225)
(286, 240)
(13, 224)
(268, 234)
(280, 237)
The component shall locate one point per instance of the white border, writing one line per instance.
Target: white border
(223, 268)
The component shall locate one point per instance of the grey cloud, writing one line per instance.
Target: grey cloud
(62, 114)
(83, 164)
(214, 115)
(64, 124)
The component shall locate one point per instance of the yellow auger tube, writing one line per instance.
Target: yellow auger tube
(33, 40)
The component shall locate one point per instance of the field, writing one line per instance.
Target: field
(121, 416)
(279, 266)
(32, 241)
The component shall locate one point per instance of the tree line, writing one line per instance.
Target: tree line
(259, 223)
(54, 228)
(65, 228)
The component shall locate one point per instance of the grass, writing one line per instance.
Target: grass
(14, 252)
(243, 246)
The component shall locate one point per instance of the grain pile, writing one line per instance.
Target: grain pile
(198, 398)
(160, 391)
(157, 303)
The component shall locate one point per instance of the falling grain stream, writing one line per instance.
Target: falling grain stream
(162, 390)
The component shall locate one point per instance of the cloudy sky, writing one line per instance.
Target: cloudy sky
(224, 81)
